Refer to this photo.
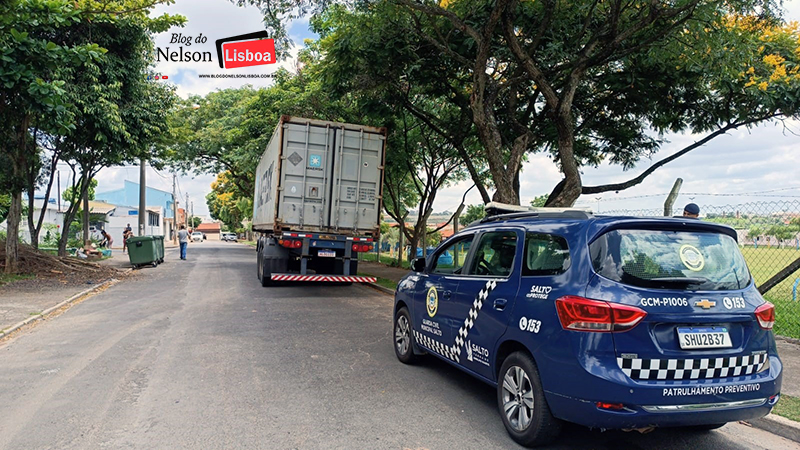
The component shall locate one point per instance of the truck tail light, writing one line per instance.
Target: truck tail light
(583, 314)
(361, 247)
(766, 315)
(289, 243)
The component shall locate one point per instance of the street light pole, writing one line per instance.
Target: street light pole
(174, 212)
(142, 196)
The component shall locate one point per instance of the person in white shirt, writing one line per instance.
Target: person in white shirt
(183, 239)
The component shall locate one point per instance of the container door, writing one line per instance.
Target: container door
(305, 174)
(357, 177)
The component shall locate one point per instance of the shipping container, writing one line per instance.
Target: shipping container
(317, 200)
(320, 176)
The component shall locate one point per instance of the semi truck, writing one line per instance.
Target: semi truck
(317, 203)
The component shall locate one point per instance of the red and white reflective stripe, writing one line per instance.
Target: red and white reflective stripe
(323, 278)
(360, 239)
(295, 235)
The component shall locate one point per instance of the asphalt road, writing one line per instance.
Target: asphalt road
(196, 354)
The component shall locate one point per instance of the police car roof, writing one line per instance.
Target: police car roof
(596, 225)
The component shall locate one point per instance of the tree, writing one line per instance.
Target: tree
(227, 204)
(69, 195)
(589, 83)
(419, 164)
(540, 201)
(473, 213)
(32, 83)
(122, 115)
(196, 221)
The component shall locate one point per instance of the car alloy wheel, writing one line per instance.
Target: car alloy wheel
(518, 402)
(402, 335)
(522, 404)
(403, 344)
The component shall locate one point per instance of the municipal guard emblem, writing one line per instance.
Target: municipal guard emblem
(692, 258)
(432, 301)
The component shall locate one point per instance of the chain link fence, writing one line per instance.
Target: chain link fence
(769, 237)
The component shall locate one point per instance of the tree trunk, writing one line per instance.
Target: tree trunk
(492, 143)
(571, 185)
(86, 215)
(12, 234)
(70, 214)
(31, 228)
(37, 228)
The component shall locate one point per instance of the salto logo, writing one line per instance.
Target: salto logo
(252, 49)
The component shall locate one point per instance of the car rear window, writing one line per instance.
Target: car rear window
(670, 259)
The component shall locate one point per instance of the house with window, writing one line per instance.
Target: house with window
(159, 220)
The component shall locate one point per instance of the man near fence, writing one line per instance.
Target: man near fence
(691, 210)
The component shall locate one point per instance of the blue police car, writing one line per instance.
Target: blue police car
(608, 322)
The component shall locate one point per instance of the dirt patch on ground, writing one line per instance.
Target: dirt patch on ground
(49, 270)
(52, 280)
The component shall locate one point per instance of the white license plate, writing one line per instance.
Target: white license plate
(704, 337)
(327, 253)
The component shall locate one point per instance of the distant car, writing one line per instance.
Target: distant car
(230, 237)
(197, 236)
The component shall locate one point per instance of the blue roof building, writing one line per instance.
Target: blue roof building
(128, 195)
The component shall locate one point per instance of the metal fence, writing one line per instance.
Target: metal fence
(769, 237)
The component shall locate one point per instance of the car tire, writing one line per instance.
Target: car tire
(521, 402)
(403, 337)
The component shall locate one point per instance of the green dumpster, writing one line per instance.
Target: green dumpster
(160, 248)
(142, 250)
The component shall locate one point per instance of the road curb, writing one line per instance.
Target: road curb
(778, 425)
(66, 302)
(380, 288)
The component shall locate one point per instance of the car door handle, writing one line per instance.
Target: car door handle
(446, 294)
(500, 304)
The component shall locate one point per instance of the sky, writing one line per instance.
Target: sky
(761, 164)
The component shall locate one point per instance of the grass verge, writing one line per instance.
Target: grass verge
(385, 259)
(5, 279)
(384, 282)
(788, 407)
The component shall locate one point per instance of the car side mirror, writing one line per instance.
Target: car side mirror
(418, 265)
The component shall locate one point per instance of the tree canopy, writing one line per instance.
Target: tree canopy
(583, 82)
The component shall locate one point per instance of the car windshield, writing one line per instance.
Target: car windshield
(670, 259)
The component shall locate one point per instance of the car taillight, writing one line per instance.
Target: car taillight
(583, 314)
(361, 247)
(766, 315)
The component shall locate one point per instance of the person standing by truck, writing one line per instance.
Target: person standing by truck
(183, 240)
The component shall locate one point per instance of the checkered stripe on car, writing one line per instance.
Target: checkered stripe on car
(435, 346)
(691, 369)
(472, 316)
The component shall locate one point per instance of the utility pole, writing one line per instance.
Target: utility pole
(186, 211)
(174, 212)
(142, 197)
